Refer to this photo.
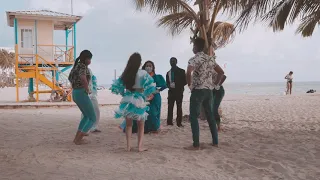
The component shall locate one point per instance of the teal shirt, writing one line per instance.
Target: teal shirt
(160, 82)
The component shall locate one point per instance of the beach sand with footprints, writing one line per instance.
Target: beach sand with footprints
(264, 137)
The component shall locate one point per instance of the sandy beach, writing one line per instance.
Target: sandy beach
(264, 137)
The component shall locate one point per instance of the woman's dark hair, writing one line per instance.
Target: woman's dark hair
(85, 54)
(128, 76)
(199, 43)
(290, 72)
(153, 67)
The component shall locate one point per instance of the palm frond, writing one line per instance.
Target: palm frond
(232, 8)
(308, 24)
(223, 34)
(176, 22)
(253, 10)
(160, 7)
(7, 60)
(281, 13)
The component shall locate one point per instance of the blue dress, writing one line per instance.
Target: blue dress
(133, 104)
(153, 122)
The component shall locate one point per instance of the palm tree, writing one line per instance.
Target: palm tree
(178, 15)
(278, 13)
(7, 60)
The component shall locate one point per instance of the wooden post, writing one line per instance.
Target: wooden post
(37, 78)
(17, 57)
(17, 72)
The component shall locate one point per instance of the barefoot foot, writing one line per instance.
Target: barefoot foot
(81, 142)
(192, 148)
(215, 145)
(96, 131)
(143, 149)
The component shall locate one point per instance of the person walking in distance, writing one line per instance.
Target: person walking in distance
(203, 82)
(176, 80)
(289, 79)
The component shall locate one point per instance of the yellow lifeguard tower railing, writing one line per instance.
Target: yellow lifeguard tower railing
(37, 58)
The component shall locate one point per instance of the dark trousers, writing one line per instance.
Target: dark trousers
(175, 97)
(202, 97)
(217, 98)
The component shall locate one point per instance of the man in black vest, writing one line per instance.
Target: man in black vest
(176, 80)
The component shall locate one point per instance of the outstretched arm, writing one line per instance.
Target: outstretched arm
(220, 73)
(161, 83)
(189, 71)
(184, 79)
(224, 77)
(167, 80)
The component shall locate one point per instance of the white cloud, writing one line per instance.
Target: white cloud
(80, 7)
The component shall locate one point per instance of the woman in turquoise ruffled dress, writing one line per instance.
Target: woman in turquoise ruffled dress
(136, 87)
(153, 123)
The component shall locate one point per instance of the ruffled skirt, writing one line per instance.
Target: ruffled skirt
(133, 106)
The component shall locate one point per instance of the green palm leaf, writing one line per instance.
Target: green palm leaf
(176, 22)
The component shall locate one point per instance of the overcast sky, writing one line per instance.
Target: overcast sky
(113, 30)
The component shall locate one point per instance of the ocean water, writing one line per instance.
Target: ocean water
(265, 88)
(270, 88)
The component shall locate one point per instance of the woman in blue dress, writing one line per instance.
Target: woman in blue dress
(136, 87)
(153, 123)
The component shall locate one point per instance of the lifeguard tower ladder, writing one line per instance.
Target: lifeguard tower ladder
(37, 58)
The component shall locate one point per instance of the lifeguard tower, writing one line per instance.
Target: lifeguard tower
(37, 57)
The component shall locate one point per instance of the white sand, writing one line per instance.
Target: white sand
(264, 138)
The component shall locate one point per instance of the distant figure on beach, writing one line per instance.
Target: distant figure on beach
(289, 79)
(176, 80)
(311, 91)
(93, 97)
(136, 87)
(203, 67)
(80, 78)
(152, 125)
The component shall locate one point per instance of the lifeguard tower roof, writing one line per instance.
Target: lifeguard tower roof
(61, 20)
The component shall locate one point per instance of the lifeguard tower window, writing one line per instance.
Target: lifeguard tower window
(26, 38)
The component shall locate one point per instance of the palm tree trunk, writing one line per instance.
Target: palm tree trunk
(204, 10)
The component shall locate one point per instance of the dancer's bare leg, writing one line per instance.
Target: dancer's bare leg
(128, 133)
(78, 140)
(290, 88)
(76, 137)
(140, 136)
(219, 128)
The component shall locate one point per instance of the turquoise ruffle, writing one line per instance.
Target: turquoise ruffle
(117, 87)
(129, 109)
(149, 85)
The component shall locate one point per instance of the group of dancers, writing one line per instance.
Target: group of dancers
(140, 89)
